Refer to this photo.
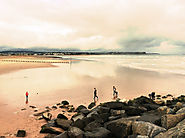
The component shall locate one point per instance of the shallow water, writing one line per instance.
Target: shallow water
(132, 75)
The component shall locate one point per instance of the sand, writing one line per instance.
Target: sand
(11, 118)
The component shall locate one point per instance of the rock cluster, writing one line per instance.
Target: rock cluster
(138, 118)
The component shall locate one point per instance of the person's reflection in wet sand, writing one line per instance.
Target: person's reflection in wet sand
(26, 100)
(27, 97)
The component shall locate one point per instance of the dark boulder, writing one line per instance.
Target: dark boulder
(62, 135)
(114, 105)
(50, 136)
(174, 132)
(75, 132)
(146, 129)
(120, 128)
(79, 124)
(169, 120)
(77, 116)
(51, 130)
(118, 113)
(54, 107)
(79, 108)
(91, 126)
(143, 100)
(21, 133)
(61, 116)
(85, 111)
(134, 111)
(65, 102)
(91, 105)
(64, 124)
(151, 106)
(47, 116)
(101, 118)
(152, 117)
(101, 109)
(100, 132)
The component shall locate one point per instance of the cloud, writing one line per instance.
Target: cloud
(86, 24)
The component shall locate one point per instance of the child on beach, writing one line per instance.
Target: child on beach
(115, 93)
(95, 94)
(27, 97)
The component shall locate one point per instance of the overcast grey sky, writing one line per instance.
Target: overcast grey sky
(129, 25)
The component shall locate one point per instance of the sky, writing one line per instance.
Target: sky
(124, 25)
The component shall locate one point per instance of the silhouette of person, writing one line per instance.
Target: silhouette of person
(115, 93)
(27, 97)
(95, 94)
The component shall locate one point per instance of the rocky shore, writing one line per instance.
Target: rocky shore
(141, 117)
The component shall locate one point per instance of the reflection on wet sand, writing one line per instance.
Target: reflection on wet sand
(76, 82)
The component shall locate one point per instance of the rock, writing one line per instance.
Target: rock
(58, 104)
(35, 110)
(117, 112)
(178, 106)
(21, 133)
(137, 136)
(85, 112)
(51, 130)
(120, 128)
(92, 113)
(23, 109)
(160, 102)
(164, 110)
(152, 117)
(51, 123)
(31, 106)
(101, 109)
(150, 107)
(169, 120)
(79, 108)
(100, 132)
(91, 105)
(101, 118)
(2, 137)
(75, 132)
(47, 116)
(175, 132)
(40, 113)
(77, 116)
(47, 107)
(143, 100)
(114, 105)
(62, 135)
(134, 111)
(146, 129)
(182, 110)
(79, 123)
(65, 102)
(91, 126)
(61, 116)
(50, 136)
(114, 118)
(71, 109)
(54, 107)
(64, 124)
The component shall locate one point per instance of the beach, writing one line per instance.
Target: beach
(50, 83)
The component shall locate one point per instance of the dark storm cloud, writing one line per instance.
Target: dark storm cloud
(140, 43)
(178, 43)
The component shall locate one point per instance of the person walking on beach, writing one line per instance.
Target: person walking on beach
(27, 97)
(95, 95)
(115, 93)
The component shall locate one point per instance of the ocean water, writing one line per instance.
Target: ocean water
(160, 63)
(133, 75)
